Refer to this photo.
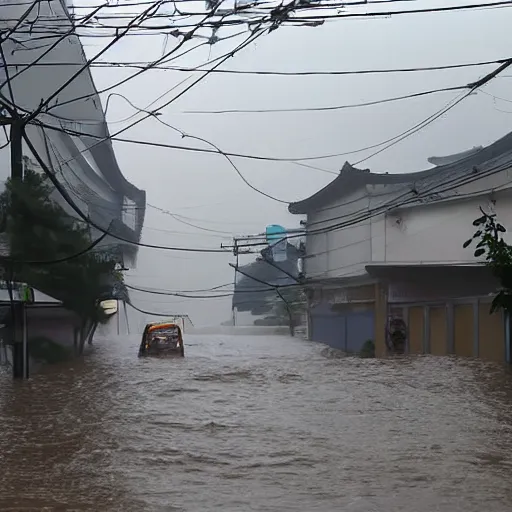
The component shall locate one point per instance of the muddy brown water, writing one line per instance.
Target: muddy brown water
(256, 423)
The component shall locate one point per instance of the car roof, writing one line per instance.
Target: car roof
(161, 324)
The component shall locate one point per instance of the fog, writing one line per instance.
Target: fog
(204, 189)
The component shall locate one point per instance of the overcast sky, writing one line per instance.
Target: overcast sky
(206, 190)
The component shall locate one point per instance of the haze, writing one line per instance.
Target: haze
(206, 190)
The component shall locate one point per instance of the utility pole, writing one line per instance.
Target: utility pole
(235, 252)
(20, 353)
(251, 244)
(16, 150)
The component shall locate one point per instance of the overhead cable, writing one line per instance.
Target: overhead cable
(89, 221)
(64, 259)
(330, 107)
(376, 71)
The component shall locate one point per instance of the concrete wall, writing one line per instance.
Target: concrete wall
(432, 229)
(344, 251)
(436, 233)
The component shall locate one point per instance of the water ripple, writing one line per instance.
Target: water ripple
(257, 423)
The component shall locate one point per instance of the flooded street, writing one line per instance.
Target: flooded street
(256, 423)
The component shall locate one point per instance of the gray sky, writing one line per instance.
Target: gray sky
(205, 187)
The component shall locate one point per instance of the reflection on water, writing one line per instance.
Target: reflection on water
(257, 423)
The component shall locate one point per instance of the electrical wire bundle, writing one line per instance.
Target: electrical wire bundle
(38, 27)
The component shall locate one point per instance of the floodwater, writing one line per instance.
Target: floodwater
(256, 423)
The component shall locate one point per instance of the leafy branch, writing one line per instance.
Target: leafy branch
(497, 254)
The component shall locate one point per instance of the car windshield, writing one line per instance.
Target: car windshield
(168, 335)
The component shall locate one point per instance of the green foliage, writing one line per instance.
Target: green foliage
(497, 254)
(368, 349)
(38, 229)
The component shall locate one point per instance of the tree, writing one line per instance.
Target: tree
(288, 305)
(498, 257)
(37, 229)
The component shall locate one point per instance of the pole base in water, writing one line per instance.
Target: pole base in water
(17, 361)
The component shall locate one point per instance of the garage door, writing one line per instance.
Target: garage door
(343, 331)
(329, 329)
(360, 328)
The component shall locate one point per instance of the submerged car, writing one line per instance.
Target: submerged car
(162, 339)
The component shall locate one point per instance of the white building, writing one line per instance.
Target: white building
(396, 241)
(44, 70)
(44, 61)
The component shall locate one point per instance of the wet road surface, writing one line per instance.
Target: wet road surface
(256, 423)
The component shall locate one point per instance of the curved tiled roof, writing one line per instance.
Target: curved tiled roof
(351, 179)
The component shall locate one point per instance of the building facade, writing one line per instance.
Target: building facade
(43, 61)
(385, 258)
(44, 71)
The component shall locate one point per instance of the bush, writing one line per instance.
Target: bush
(368, 349)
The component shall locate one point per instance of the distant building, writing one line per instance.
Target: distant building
(253, 288)
(384, 253)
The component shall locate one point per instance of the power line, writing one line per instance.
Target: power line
(471, 88)
(177, 218)
(182, 295)
(441, 112)
(186, 37)
(331, 107)
(393, 204)
(242, 177)
(414, 233)
(221, 293)
(143, 65)
(153, 313)
(431, 10)
(165, 292)
(64, 259)
(73, 205)
(186, 233)
(52, 47)
(262, 20)
(166, 212)
(365, 214)
(282, 15)
(68, 199)
(248, 41)
(423, 124)
(85, 67)
(207, 71)
(152, 65)
(285, 12)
